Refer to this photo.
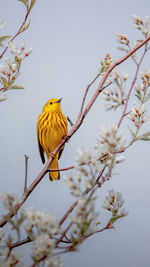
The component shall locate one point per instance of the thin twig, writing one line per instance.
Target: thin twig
(18, 32)
(86, 92)
(26, 172)
(92, 189)
(21, 242)
(130, 90)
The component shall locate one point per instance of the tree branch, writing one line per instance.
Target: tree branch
(132, 85)
(18, 32)
(26, 172)
(74, 128)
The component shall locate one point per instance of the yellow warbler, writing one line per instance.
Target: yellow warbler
(51, 128)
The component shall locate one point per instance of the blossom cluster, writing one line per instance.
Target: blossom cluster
(88, 168)
(42, 229)
(114, 203)
(139, 24)
(10, 67)
(106, 63)
(109, 143)
(123, 39)
(9, 200)
(115, 96)
(84, 219)
(8, 258)
(142, 89)
(138, 114)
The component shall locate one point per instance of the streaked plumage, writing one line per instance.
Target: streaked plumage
(51, 128)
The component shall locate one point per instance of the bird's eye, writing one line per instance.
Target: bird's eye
(51, 103)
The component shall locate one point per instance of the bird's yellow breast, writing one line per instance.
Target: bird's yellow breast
(52, 127)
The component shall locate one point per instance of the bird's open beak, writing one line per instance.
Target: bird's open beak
(59, 100)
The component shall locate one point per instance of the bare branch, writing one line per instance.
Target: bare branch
(26, 172)
(132, 85)
(18, 32)
(86, 92)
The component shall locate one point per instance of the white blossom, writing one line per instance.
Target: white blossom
(9, 200)
(14, 258)
(114, 203)
(146, 25)
(138, 22)
(28, 52)
(43, 245)
(138, 114)
(2, 24)
(145, 76)
(84, 220)
(41, 221)
(22, 46)
(73, 185)
(3, 97)
(110, 140)
(84, 156)
(141, 25)
(120, 159)
(2, 68)
(54, 262)
(13, 48)
(122, 39)
(115, 74)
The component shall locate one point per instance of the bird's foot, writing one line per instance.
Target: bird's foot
(52, 155)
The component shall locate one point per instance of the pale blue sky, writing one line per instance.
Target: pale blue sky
(69, 39)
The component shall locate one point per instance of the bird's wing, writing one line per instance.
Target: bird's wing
(40, 147)
(60, 152)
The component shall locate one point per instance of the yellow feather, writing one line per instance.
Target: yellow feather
(51, 128)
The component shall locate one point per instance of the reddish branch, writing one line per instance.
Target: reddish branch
(132, 85)
(74, 128)
(86, 92)
(18, 32)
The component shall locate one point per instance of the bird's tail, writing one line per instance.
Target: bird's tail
(54, 165)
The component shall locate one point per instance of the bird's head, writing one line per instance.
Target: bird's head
(53, 105)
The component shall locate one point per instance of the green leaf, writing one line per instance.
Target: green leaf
(5, 83)
(9, 240)
(11, 83)
(4, 38)
(25, 26)
(1, 45)
(25, 2)
(17, 86)
(3, 97)
(140, 41)
(145, 136)
(138, 96)
(32, 4)
(17, 59)
(123, 49)
(115, 218)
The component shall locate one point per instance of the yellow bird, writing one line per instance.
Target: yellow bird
(51, 128)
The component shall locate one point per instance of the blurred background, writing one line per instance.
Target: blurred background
(69, 40)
